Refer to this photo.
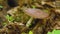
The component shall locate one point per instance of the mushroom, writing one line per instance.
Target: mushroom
(35, 13)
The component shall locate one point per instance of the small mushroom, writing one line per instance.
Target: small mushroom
(34, 13)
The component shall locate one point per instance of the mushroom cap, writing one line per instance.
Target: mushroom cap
(36, 13)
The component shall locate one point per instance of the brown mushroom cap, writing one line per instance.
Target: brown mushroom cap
(36, 13)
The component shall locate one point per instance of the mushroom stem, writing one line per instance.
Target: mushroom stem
(29, 22)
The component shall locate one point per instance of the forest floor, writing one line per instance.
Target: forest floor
(15, 16)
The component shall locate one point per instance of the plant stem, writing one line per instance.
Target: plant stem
(29, 22)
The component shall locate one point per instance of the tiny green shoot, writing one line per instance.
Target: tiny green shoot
(10, 18)
(33, 6)
(30, 32)
(1, 6)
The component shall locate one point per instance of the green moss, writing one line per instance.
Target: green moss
(54, 32)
